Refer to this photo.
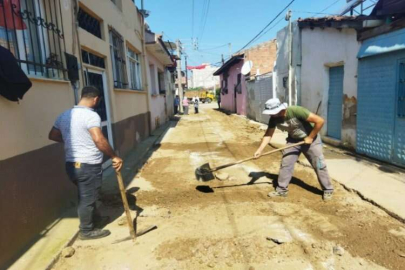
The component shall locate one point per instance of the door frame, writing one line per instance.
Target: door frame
(88, 69)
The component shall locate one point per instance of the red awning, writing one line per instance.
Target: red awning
(7, 15)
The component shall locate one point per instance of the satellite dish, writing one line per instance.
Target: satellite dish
(247, 67)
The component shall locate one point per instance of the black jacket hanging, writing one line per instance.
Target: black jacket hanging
(13, 81)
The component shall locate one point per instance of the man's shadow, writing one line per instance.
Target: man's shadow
(115, 204)
(274, 180)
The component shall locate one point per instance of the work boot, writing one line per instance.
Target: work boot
(94, 234)
(277, 194)
(327, 195)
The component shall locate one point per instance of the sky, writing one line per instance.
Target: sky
(226, 22)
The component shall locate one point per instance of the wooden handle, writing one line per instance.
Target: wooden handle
(251, 158)
(126, 206)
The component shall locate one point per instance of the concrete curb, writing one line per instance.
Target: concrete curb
(56, 258)
(72, 239)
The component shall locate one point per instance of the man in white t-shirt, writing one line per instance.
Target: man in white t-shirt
(79, 129)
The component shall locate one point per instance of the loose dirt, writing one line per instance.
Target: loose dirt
(227, 224)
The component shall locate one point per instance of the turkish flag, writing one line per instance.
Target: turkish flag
(9, 18)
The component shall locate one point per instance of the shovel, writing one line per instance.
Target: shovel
(126, 206)
(205, 172)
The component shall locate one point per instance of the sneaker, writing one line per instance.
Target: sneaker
(327, 195)
(277, 194)
(94, 234)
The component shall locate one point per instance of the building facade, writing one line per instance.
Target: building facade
(234, 94)
(203, 77)
(105, 50)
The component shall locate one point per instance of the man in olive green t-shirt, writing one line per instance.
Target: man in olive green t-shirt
(301, 125)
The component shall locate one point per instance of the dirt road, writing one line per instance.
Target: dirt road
(224, 224)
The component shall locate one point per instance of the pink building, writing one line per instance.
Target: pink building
(234, 96)
(233, 85)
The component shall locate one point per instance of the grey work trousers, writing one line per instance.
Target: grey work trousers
(314, 155)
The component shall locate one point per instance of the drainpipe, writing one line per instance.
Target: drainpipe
(290, 71)
(145, 80)
(75, 32)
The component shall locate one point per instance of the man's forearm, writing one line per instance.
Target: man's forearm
(265, 142)
(105, 147)
(318, 126)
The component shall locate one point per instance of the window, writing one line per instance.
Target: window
(153, 74)
(224, 89)
(31, 30)
(89, 23)
(161, 81)
(135, 74)
(92, 59)
(118, 60)
(401, 90)
(238, 87)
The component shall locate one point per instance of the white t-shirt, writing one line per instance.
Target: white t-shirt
(74, 124)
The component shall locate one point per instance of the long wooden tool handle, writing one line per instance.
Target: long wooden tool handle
(265, 154)
(126, 206)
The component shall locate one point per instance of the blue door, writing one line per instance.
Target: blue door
(335, 99)
(399, 133)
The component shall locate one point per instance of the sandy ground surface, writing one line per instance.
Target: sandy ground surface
(226, 224)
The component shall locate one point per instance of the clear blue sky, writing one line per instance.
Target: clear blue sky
(227, 21)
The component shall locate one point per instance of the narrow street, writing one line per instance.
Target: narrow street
(225, 224)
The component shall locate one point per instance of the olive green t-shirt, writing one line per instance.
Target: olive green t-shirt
(295, 122)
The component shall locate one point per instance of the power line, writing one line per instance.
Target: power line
(275, 18)
(271, 28)
(205, 19)
(192, 20)
(210, 49)
(309, 12)
(328, 7)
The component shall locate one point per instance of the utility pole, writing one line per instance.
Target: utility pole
(179, 78)
(230, 50)
(290, 43)
(186, 72)
(223, 61)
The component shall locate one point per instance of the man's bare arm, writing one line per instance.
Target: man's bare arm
(103, 145)
(265, 141)
(319, 122)
(101, 142)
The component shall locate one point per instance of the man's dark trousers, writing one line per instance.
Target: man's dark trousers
(88, 179)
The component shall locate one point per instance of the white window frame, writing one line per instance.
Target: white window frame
(134, 70)
(118, 74)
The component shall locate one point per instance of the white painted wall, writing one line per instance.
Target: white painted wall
(158, 107)
(203, 78)
(322, 49)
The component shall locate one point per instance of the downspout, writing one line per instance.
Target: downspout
(76, 30)
(145, 77)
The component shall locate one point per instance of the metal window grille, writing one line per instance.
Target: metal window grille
(135, 74)
(33, 31)
(92, 59)
(401, 90)
(118, 60)
(89, 23)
